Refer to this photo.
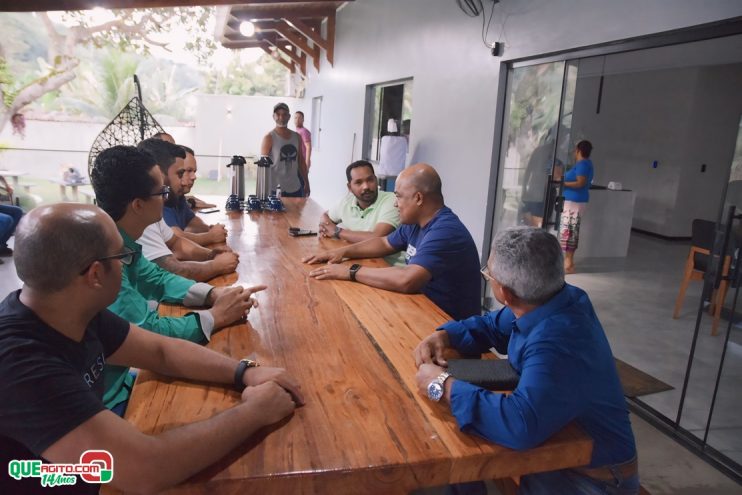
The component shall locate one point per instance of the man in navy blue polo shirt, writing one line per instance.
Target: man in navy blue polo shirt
(554, 340)
(442, 260)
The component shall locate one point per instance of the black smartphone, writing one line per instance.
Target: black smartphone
(297, 232)
(209, 210)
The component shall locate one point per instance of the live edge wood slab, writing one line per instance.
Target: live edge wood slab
(364, 428)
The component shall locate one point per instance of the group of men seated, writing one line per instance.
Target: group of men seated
(93, 277)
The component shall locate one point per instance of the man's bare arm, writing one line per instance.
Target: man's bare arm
(200, 271)
(371, 248)
(147, 463)
(197, 225)
(380, 230)
(408, 279)
(187, 250)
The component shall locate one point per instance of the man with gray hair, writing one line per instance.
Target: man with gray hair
(554, 341)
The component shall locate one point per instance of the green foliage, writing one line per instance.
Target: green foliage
(105, 83)
(265, 77)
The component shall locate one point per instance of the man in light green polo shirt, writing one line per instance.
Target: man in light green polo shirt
(364, 212)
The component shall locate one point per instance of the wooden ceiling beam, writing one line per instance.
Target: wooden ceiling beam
(247, 12)
(304, 29)
(330, 54)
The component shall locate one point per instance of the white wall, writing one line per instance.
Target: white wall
(232, 125)
(217, 131)
(680, 117)
(456, 78)
(48, 145)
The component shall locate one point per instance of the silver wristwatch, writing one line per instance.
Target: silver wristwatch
(436, 388)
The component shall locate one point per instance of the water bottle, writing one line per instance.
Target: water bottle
(278, 191)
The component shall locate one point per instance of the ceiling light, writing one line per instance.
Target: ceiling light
(247, 29)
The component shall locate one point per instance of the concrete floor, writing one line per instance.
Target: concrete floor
(634, 299)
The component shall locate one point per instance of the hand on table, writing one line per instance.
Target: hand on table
(431, 349)
(217, 234)
(262, 374)
(334, 256)
(426, 373)
(226, 262)
(233, 303)
(331, 272)
(271, 402)
(326, 229)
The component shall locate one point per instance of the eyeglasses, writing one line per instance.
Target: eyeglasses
(486, 274)
(127, 257)
(165, 193)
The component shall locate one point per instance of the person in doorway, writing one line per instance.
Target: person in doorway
(577, 182)
(283, 146)
(392, 156)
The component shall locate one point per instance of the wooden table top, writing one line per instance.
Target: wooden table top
(364, 428)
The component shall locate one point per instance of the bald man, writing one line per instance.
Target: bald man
(55, 337)
(441, 258)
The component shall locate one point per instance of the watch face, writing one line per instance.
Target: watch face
(435, 391)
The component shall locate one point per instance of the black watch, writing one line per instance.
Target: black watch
(353, 270)
(336, 234)
(240, 371)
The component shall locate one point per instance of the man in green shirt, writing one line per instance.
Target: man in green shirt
(364, 213)
(129, 187)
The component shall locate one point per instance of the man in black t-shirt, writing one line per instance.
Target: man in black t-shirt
(56, 336)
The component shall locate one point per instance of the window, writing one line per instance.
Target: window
(383, 102)
(316, 127)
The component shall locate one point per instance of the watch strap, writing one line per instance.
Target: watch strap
(240, 371)
(353, 270)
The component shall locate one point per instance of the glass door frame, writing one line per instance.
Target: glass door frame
(721, 29)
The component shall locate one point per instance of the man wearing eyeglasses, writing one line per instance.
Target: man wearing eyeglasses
(553, 339)
(129, 187)
(168, 247)
(55, 338)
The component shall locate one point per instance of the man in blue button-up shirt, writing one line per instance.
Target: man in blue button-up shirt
(554, 340)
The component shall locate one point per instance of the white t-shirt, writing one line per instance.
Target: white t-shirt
(154, 239)
(392, 156)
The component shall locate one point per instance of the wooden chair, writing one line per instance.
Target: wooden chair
(699, 258)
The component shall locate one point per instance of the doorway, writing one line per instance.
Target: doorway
(664, 121)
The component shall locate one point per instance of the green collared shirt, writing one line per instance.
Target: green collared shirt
(349, 215)
(143, 286)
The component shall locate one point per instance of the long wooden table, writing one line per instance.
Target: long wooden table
(364, 428)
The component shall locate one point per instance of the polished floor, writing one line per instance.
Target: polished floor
(634, 298)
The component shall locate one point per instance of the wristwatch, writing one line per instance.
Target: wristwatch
(336, 234)
(436, 388)
(240, 371)
(353, 270)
